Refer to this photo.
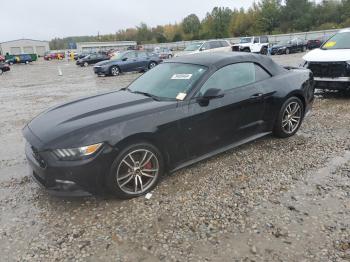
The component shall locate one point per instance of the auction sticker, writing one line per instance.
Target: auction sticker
(181, 76)
(330, 44)
(181, 96)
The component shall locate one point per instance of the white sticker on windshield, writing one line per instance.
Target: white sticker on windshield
(181, 96)
(181, 76)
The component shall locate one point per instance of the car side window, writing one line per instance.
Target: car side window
(205, 46)
(231, 76)
(214, 44)
(264, 39)
(260, 73)
(224, 43)
(142, 55)
(256, 40)
(130, 55)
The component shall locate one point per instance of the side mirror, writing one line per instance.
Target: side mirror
(211, 93)
(124, 59)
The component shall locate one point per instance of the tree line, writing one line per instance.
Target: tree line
(263, 17)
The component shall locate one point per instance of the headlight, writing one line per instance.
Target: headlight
(77, 153)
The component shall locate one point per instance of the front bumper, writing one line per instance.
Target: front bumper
(100, 70)
(69, 178)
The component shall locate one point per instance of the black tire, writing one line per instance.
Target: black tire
(264, 50)
(279, 130)
(114, 71)
(152, 64)
(287, 51)
(246, 50)
(112, 179)
(304, 49)
(86, 64)
(170, 56)
(1, 71)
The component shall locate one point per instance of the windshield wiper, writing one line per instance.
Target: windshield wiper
(146, 94)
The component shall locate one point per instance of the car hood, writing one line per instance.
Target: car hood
(107, 62)
(81, 119)
(182, 53)
(279, 46)
(330, 55)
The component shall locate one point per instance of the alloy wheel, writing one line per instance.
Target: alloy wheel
(114, 71)
(137, 171)
(151, 65)
(291, 117)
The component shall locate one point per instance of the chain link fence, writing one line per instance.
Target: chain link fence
(324, 34)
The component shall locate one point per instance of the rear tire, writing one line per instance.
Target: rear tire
(135, 171)
(152, 64)
(304, 48)
(289, 118)
(264, 50)
(287, 51)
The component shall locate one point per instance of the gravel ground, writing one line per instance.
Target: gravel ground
(271, 200)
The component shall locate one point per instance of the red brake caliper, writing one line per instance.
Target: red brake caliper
(148, 165)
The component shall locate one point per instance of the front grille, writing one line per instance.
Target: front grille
(235, 48)
(329, 69)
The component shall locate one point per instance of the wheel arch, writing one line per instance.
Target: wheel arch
(300, 95)
(147, 137)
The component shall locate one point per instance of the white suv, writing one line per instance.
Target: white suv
(206, 46)
(330, 64)
(254, 44)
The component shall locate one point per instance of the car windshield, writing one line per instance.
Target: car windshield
(193, 47)
(338, 41)
(168, 81)
(246, 40)
(117, 56)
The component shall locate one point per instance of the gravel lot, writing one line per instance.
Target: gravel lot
(271, 200)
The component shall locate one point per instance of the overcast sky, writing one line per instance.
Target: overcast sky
(46, 19)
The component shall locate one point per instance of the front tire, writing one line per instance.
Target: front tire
(289, 118)
(135, 171)
(114, 71)
(86, 64)
(1, 71)
(287, 51)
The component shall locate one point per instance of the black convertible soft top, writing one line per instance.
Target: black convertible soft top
(220, 59)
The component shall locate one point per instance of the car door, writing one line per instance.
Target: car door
(143, 60)
(228, 119)
(129, 62)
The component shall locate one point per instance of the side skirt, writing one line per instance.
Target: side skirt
(218, 151)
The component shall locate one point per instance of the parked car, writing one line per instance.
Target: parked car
(163, 52)
(314, 43)
(206, 47)
(331, 63)
(127, 61)
(254, 44)
(20, 59)
(92, 59)
(2, 58)
(4, 67)
(183, 111)
(54, 55)
(288, 46)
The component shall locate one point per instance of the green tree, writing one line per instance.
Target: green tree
(191, 25)
(269, 15)
(221, 18)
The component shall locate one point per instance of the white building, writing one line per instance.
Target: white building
(24, 46)
(103, 46)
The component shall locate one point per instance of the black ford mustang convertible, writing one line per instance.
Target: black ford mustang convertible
(180, 112)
